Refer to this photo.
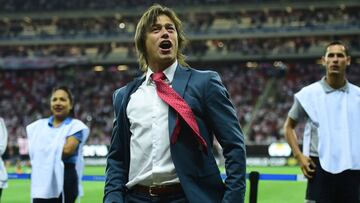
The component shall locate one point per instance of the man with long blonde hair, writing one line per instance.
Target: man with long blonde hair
(165, 122)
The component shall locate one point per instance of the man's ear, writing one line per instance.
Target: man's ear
(348, 60)
(323, 61)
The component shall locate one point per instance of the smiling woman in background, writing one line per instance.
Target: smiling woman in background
(55, 150)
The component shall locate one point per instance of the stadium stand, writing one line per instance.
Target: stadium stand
(264, 51)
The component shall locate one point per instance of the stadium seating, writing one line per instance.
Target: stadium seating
(263, 52)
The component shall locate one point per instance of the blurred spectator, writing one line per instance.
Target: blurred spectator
(23, 160)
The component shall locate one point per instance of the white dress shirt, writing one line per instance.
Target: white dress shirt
(150, 158)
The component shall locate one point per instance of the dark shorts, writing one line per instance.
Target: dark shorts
(326, 187)
(71, 183)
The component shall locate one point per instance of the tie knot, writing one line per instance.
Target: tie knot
(159, 76)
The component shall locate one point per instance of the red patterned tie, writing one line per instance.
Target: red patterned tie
(168, 95)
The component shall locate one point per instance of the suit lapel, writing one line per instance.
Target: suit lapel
(179, 83)
(130, 88)
(181, 78)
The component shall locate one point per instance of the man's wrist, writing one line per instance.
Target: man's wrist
(297, 155)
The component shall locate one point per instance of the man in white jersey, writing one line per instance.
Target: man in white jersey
(331, 147)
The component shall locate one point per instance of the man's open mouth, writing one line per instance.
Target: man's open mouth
(165, 44)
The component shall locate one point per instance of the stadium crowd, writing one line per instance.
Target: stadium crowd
(196, 23)
(248, 48)
(35, 5)
(59, 49)
(24, 96)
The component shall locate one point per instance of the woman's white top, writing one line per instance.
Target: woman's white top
(46, 145)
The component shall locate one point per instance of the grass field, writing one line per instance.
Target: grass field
(268, 192)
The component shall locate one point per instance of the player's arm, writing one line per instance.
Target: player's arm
(70, 146)
(306, 164)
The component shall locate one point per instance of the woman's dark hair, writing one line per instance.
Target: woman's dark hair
(70, 95)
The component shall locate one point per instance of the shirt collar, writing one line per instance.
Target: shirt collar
(328, 89)
(66, 121)
(169, 73)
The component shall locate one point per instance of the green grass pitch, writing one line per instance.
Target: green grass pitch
(268, 192)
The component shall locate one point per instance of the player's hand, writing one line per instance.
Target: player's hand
(307, 165)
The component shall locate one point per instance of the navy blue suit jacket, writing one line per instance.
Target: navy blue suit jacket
(197, 171)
